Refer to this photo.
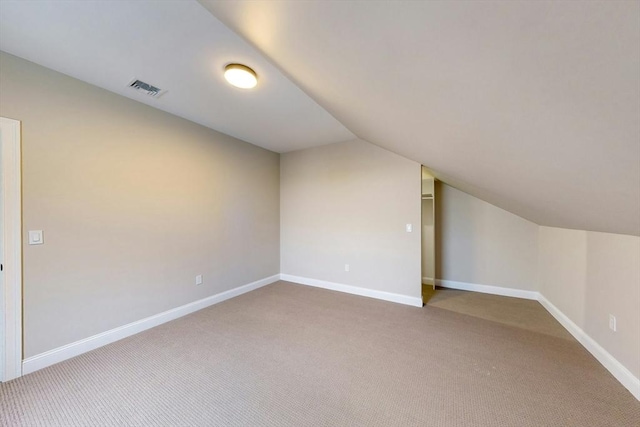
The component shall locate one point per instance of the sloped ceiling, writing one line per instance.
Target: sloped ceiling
(177, 46)
(533, 106)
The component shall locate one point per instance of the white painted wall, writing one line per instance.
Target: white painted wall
(481, 244)
(589, 275)
(348, 203)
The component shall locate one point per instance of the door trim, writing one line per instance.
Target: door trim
(12, 245)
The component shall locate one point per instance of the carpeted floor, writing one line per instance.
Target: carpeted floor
(520, 313)
(290, 355)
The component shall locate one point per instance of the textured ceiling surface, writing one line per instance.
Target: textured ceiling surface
(533, 106)
(177, 46)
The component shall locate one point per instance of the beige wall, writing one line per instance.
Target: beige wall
(562, 270)
(482, 244)
(589, 275)
(134, 203)
(348, 203)
(586, 275)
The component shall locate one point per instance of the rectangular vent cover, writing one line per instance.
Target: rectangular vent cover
(146, 88)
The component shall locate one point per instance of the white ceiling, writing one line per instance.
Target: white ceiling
(533, 106)
(174, 45)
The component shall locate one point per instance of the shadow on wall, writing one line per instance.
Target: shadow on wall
(481, 244)
(457, 228)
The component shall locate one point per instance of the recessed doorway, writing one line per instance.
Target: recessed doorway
(428, 235)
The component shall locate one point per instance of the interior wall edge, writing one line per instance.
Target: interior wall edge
(487, 289)
(354, 290)
(11, 241)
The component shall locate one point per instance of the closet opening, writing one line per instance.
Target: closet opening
(428, 230)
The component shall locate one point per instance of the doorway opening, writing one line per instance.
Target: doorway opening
(428, 231)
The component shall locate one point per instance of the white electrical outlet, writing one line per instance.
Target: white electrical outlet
(346, 267)
(409, 228)
(199, 279)
(612, 322)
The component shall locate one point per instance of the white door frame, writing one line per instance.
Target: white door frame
(12, 247)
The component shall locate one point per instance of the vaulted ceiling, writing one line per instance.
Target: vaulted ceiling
(533, 106)
(177, 46)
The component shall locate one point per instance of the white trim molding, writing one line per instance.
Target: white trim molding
(354, 290)
(68, 351)
(617, 369)
(12, 247)
(487, 289)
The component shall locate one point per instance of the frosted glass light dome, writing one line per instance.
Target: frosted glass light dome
(240, 76)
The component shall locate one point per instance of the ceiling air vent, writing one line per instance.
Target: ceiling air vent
(146, 88)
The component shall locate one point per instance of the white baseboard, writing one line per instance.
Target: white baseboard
(355, 290)
(427, 280)
(621, 373)
(616, 368)
(487, 289)
(68, 351)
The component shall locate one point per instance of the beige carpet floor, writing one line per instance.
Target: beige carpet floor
(290, 355)
(520, 313)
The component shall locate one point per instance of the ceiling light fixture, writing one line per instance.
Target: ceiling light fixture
(240, 76)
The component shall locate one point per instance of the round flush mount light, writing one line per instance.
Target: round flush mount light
(240, 76)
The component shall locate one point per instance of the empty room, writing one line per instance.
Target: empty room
(319, 213)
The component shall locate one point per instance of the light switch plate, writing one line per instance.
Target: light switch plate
(36, 237)
(409, 228)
